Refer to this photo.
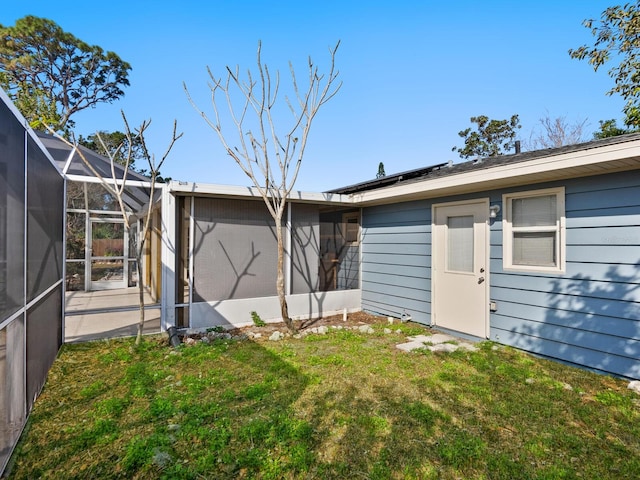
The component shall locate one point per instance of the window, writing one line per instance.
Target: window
(351, 228)
(533, 230)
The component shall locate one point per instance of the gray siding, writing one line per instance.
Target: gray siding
(589, 316)
(396, 260)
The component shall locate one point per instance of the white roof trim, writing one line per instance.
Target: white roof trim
(252, 192)
(109, 180)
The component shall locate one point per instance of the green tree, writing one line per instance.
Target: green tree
(381, 173)
(617, 39)
(491, 137)
(116, 145)
(610, 128)
(50, 74)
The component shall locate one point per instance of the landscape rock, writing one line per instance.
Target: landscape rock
(276, 336)
(634, 385)
(366, 329)
(440, 338)
(443, 347)
(408, 346)
(387, 330)
(161, 459)
(468, 346)
(424, 339)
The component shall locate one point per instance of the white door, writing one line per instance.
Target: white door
(460, 260)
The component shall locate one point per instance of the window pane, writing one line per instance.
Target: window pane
(75, 235)
(460, 243)
(352, 230)
(75, 276)
(535, 248)
(534, 211)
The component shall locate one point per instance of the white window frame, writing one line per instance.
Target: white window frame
(559, 228)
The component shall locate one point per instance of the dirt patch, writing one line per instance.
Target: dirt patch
(353, 320)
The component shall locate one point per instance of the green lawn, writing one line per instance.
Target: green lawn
(346, 405)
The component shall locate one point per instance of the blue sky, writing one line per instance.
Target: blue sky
(413, 73)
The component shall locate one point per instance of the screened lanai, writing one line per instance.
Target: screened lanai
(222, 265)
(101, 269)
(31, 271)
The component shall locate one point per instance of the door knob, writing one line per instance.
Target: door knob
(480, 280)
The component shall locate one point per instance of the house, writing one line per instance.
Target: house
(538, 250)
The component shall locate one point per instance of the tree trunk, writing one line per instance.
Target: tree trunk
(284, 308)
(140, 296)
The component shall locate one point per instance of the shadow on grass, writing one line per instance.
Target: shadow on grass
(342, 405)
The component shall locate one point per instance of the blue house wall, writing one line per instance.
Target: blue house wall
(589, 315)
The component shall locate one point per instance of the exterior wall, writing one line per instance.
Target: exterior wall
(396, 260)
(237, 313)
(589, 315)
(234, 260)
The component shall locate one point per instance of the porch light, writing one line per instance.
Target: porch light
(494, 210)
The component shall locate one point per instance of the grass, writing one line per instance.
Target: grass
(342, 405)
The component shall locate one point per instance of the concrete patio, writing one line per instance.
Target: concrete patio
(105, 314)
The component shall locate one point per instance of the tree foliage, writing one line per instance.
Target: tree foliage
(617, 39)
(381, 173)
(268, 153)
(116, 145)
(610, 128)
(50, 74)
(491, 137)
(556, 132)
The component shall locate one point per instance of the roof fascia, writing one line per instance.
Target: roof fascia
(234, 191)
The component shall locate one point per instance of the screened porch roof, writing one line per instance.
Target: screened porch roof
(70, 162)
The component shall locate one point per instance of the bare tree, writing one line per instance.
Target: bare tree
(116, 187)
(556, 132)
(271, 158)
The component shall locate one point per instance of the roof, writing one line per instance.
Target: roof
(69, 161)
(62, 153)
(388, 179)
(450, 168)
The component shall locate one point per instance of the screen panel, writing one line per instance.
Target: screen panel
(45, 213)
(235, 250)
(305, 251)
(44, 338)
(12, 183)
